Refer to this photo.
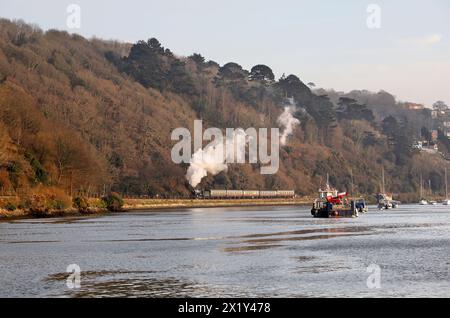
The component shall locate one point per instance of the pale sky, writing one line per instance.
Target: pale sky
(323, 41)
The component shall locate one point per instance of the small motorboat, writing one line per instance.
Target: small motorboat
(385, 205)
(446, 202)
(361, 205)
(423, 202)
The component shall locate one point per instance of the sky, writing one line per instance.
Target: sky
(327, 42)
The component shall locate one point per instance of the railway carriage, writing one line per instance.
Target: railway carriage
(268, 194)
(286, 194)
(251, 194)
(243, 194)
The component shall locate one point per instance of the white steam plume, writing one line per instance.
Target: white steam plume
(205, 161)
(213, 159)
(289, 122)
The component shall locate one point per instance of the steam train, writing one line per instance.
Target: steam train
(243, 194)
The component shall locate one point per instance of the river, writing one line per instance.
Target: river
(230, 252)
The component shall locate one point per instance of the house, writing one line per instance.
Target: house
(426, 146)
(441, 120)
(413, 106)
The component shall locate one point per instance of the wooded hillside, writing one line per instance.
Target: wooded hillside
(92, 116)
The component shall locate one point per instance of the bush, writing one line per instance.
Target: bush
(113, 202)
(47, 199)
(97, 203)
(25, 204)
(10, 207)
(38, 204)
(82, 204)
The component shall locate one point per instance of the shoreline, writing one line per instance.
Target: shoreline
(155, 205)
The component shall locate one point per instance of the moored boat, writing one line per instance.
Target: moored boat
(384, 200)
(332, 204)
(361, 206)
(422, 200)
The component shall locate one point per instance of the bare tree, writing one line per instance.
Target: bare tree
(4, 145)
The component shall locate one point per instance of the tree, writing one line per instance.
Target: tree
(212, 64)
(232, 71)
(198, 59)
(4, 145)
(293, 86)
(390, 126)
(425, 133)
(350, 109)
(440, 106)
(179, 80)
(262, 73)
(155, 45)
(146, 64)
(3, 78)
(344, 103)
(152, 65)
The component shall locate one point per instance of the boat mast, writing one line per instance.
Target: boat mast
(446, 185)
(421, 187)
(429, 187)
(351, 177)
(383, 187)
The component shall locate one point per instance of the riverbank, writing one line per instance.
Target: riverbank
(157, 204)
(21, 214)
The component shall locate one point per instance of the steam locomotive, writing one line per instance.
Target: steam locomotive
(243, 194)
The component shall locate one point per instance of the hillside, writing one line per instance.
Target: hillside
(92, 116)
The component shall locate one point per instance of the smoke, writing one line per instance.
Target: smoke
(205, 161)
(288, 122)
(214, 158)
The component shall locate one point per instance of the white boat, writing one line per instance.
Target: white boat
(384, 200)
(446, 202)
(432, 202)
(422, 200)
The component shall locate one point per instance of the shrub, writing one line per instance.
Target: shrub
(25, 204)
(38, 204)
(10, 206)
(97, 203)
(59, 205)
(46, 199)
(82, 204)
(113, 202)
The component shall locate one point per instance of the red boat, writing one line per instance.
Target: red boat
(334, 204)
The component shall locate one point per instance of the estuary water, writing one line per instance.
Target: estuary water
(229, 252)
